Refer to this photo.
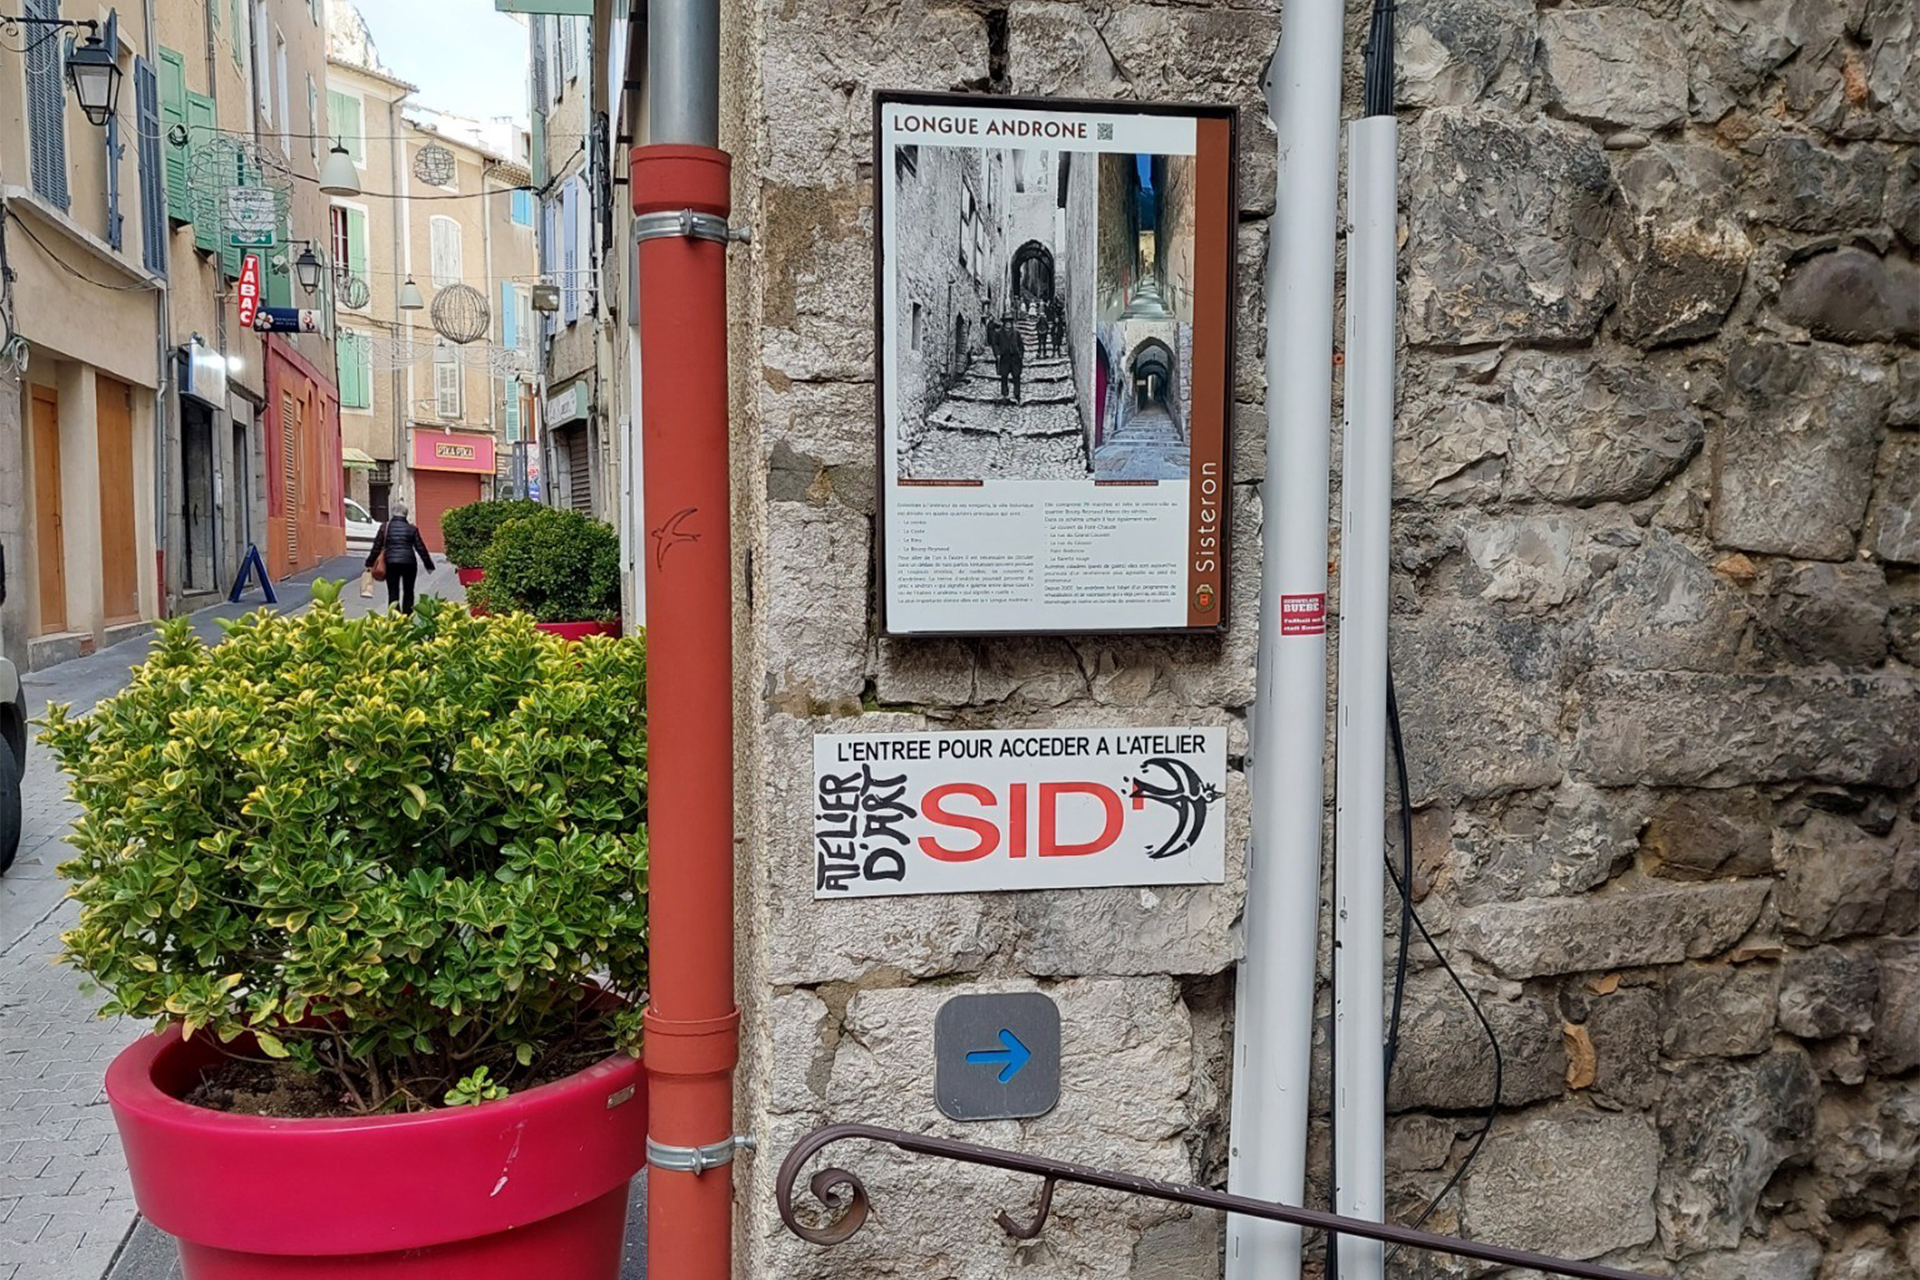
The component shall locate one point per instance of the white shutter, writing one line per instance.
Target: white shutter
(446, 383)
(447, 264)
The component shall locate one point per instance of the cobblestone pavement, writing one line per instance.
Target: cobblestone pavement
(65, 1206)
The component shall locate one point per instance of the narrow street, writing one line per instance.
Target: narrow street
(972, 434)
(66, 1210)
(1149, 447)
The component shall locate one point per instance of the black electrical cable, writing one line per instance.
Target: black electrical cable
(1405, 878)
(1379, 60)
(1405, 888)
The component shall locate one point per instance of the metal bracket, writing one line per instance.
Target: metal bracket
(688, 224)
(697, 1160)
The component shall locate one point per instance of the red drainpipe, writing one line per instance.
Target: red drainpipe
(692, 1024)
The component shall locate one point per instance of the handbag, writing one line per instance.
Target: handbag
(379, 568)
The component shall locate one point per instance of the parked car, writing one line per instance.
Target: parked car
(360, 527)
(13, 760)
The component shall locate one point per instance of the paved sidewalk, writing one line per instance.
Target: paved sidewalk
(65, 1207)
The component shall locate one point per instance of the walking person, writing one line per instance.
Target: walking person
(405, 550)
(1016, 349)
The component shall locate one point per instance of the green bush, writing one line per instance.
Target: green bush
(557, 565)
(394, 848)
(469, 529)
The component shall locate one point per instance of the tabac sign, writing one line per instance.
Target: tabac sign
(1017, 809)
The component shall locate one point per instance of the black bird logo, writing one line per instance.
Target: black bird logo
(1185, 793)
(670, 535)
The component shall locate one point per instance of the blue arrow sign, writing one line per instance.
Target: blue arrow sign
(1009, 1059)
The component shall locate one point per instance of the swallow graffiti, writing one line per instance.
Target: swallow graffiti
(1185, 793)
(671, 535)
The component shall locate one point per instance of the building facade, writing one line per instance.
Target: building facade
(445, 205)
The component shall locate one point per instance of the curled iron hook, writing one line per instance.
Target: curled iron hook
(1030, 1230)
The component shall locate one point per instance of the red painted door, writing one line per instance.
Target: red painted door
(434, 494)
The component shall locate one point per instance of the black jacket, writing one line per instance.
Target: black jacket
(401, 541)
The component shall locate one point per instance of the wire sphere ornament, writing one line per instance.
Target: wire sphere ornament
(220, 164)
(460, 314)
(433, 164)
(353, 291)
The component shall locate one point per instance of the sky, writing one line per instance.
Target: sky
(466, 58)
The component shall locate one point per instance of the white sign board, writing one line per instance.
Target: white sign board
(981, 810)
(252, 215)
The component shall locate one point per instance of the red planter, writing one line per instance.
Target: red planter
(468, 577)
(532, 1185)
(579, 630)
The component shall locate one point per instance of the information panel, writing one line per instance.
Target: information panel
(985, 809)
(1055, 285)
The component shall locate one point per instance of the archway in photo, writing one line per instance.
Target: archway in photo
(1032, 274)
(1151, 371)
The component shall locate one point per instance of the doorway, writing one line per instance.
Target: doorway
(119, 549)
(49, 536)
(197, 526)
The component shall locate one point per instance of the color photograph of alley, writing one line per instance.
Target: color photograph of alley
(994, 262)
(1143, 397)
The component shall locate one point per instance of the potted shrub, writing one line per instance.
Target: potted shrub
(559, 566)
(468, 530)
(382, 883)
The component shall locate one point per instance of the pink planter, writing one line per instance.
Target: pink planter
(468, 577)
(579, 630)
(532, 1185)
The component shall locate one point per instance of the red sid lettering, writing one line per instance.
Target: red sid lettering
(933, 809)
(1050, 793)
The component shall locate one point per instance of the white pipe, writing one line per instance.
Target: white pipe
(1360, 754)
(1273, 1014)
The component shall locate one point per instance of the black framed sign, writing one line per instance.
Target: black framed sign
(1054, 288)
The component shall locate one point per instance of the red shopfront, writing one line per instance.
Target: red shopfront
(306, 511)
(450, 469)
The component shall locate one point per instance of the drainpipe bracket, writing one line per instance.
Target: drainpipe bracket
(697, 1160)
(688, 224)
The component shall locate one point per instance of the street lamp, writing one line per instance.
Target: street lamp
(91, 68)
(306, 269)
(337, 177)
(410, 299)
(96, 79)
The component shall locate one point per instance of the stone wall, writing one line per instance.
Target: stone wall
(1657, 608)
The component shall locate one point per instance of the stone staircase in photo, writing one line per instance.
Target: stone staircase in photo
(975, 434)
(1149, 447)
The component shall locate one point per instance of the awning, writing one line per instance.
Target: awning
(357, 459)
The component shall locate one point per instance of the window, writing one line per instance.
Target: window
(262, 63)
(350, 241)
(280, 89)
(313, 118)
(445, 233)
(345, 123)
(523, 318)
(47, 106)
(446, 382)
(906, 160)
(522, 211)
(512, 415)
(913, 340)
(355, 352)
(569, 60)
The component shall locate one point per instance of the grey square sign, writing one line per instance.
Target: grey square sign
(997, 1057)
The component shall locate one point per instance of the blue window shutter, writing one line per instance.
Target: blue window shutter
(47, 106)
(153, 208)
(570, 262)
(508, 338)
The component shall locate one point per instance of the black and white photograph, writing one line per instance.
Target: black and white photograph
(994, 266)
(1143, 400)
(1146, 237)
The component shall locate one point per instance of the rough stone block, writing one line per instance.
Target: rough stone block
(1720, 1011)
(1702, 835)
(1624, 1029)
(1453, 53)
(1568, 842)
(1615, 65)
(1675, 728)
(1838, 881)
(1494, 733)
(1833, 613)
(1507, 242)
(1895, 1014)
(817, 255)
(1667, 183)
(1591, 432)
(1828, 992)
(1802, 428)
(1665, 609)
(1725, 1127)
(1621, 929)
(832, 422)
(1445, 1064)
(814, 580)
(1896, 503)
(927, 673)
(1796, 1259)
(1733, 48)
(1850, 295)
(1866, 1149)
(1806, 187)
(1683, 281)
(1519, 1192)
(1535, 560)
(1452, 449)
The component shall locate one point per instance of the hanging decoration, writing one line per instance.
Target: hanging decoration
(433, 164)
(352, 291)
(460, 314)
(387, 353)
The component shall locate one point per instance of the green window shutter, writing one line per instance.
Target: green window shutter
(279, 289)
(239, 36)
(357, 243)
(538, 150)
(513, 410)
(200, 131)
(356, 381)
(345, 124)
(173, 111)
